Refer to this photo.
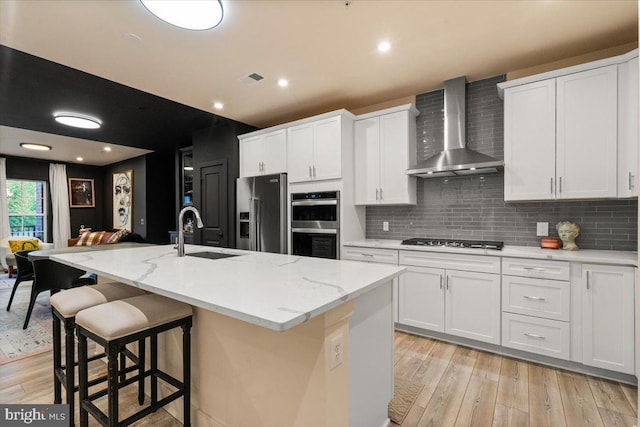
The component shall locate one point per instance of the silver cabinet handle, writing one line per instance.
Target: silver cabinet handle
(314, 171)
(534, 268)
(377, 194)
(551, 185)
(533, 298)
(368, 255)
(381, 194)
(630, 181)
(310, 176)
(588, 285)
(446, 282)
(561, 184)
(441, 281)
(536, 336)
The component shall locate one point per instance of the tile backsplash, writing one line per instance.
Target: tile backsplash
(473, 206)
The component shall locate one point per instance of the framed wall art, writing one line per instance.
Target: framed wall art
(81, 193)
(122, 193)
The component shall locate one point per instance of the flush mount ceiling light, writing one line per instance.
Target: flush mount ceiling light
(384, 46)
(283, 82)
(188, 14)
(33, 146)
(218, 105)
(77, 120)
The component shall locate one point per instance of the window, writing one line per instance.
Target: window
(27, 208)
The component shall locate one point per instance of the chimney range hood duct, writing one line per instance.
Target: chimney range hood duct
(456, 158)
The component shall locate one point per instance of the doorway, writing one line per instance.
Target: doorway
(214, 203)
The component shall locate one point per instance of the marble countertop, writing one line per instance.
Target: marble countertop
(584, 255)
(270, 290)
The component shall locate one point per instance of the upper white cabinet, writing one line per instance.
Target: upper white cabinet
(561, 137)
(315, 150)
(263, 154)
(385, 144)
(628, 128)
(573, 133)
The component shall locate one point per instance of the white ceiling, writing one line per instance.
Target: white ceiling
(66, 149)
(326, 49)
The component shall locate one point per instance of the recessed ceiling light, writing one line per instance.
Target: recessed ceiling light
(188, 14)
(107, 149)
(33, 146)
(218, 105)
(79, 159)
(384, 46)
(283, 82)
(77, 120)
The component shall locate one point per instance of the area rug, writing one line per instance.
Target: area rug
(15, 342)
(5, 282)
(404, 394)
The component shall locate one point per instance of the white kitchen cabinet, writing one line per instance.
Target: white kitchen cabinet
(461, 300)
(628, 128)
(263, 154)
(314, 150)
(385, 146)
(561, 137)
(608, 317)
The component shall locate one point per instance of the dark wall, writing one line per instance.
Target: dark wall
(473, 207)
(161, 204)
(34, 169)
(218, 142)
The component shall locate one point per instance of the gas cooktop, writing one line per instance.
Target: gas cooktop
(451, 243)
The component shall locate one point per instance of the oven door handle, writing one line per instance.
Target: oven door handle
(314, 202)
(315, 230)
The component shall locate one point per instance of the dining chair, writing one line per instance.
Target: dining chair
(25, 272)
(53, 276)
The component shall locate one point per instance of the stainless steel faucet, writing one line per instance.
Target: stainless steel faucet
(181, 226)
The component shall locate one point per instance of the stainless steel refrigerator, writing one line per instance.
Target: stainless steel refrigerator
(261, 213)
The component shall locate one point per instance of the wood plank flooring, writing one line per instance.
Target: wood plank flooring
(466, 387)
(461, 387)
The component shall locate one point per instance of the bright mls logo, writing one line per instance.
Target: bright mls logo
(35, 415)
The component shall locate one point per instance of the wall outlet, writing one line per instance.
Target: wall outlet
(542, 229)
(385, 226)
(336, 352)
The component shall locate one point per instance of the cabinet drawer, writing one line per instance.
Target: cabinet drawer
(536, 297)
(383, 256)
(541, 336)
(479, 263)
(557, 270)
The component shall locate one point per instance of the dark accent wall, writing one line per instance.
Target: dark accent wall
(34, 169)
(217, 142)
(474, 207)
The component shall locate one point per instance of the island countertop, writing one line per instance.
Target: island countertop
(270, 290)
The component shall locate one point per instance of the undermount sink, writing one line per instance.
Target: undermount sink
(211, 255)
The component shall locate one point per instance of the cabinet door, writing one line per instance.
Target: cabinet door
(421, 298)
(472, 305)
(300, 152)
(367, 160)
(251, 153)
(327, 140)
(628, 129)
(608, 316)
(275, 152)
(529, 141)
(586, 138)
(394, 159)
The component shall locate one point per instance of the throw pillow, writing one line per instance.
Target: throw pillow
(24, 245)
(117, 236)
(89, 238)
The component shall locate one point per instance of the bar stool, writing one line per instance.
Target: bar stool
(114, 325)
(64, 307)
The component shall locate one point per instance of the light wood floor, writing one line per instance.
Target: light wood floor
(461, 387)
(466, 387)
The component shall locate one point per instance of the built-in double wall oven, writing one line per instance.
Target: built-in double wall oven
(315, 224)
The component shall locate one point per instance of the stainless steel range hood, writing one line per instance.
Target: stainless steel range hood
(456, 158)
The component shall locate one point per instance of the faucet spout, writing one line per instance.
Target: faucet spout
(181, 226)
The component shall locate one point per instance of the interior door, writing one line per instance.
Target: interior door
(214, 203)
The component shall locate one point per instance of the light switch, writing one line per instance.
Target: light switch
(542, 229)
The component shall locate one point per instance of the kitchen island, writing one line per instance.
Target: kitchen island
(278, 340)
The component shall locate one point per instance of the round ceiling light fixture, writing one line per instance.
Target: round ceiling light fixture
(77, 120)
(187, 14)
(34, 146)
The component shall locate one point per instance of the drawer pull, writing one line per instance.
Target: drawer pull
(536, 336)
(533, 298)
(368, 255)
(534, 268)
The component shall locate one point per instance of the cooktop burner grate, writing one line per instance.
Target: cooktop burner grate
(452, 243)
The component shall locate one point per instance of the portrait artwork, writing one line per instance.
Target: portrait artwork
(122, 193)
(81, 193)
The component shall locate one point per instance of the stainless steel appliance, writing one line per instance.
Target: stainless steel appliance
(452, 243)
(261, 213)
(315, 224)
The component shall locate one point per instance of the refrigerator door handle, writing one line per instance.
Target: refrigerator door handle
(258, 224)
(253, 229)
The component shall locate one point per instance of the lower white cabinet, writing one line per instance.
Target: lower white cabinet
(421, 298)
(608, 319)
